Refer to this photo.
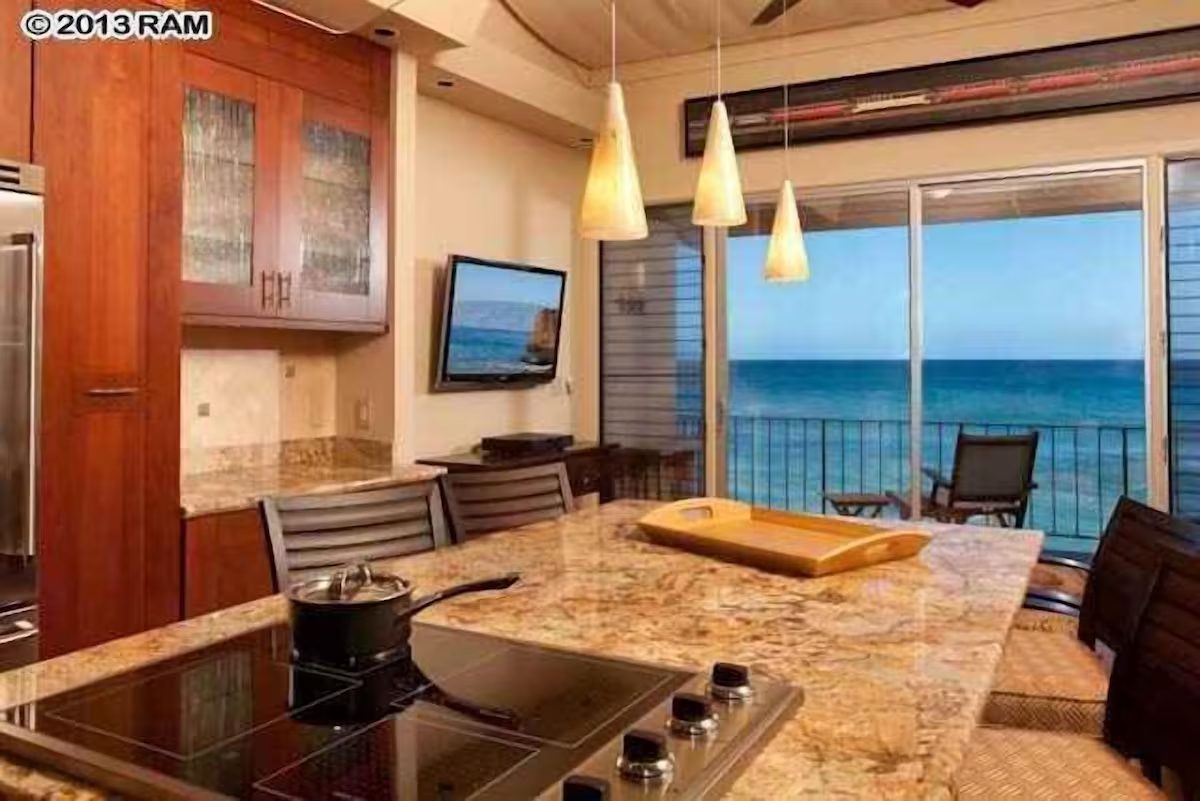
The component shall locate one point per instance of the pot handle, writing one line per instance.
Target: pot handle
(498, 583)
(345, 583)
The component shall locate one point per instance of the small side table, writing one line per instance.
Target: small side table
(858, 504)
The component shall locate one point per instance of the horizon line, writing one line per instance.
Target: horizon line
(936, 359)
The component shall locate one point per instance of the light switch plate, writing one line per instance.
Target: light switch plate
(362, 414)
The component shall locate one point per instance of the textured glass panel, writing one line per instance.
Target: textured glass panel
(218, 195)
(337, 210)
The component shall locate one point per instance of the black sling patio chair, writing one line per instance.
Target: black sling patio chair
(992, 479)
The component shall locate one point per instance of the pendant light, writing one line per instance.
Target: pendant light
(719, 200)
(612, 199)
(787, 259)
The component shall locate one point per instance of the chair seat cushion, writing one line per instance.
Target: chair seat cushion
(1048, 681)
(1058, 577)
(1048, 622)
(1027, 765)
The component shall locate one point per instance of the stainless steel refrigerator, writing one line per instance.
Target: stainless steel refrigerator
(20, 348)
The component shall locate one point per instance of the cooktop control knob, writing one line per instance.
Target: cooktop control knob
(645, 756)
(692, 715)
(730, 682)
(585, 788)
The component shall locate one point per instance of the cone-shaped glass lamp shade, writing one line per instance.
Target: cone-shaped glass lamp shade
(719, 199)
(786, 257)
(612, 201)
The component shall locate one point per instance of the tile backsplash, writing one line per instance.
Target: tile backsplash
(253, 399)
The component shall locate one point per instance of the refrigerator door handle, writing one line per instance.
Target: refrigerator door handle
(29, 243)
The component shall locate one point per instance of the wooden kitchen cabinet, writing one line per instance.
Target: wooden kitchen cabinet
(337, 209)
(285, 176)
(226, 561)
(105, 124)
(230, 189)
(16, 82)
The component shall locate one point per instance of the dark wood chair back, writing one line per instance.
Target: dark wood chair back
(1153, 708)
(993, 469)
(492, 500)
(1122, 572)
(312, 535)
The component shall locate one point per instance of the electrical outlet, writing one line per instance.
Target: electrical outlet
(362, 414)
(203, 410)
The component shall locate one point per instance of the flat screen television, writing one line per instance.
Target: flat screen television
(500, 325)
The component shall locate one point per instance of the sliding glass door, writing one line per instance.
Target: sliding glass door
(1034, 320)
(1010, 304)
(818, 384)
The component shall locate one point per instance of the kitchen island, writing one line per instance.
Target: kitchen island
(895, 660)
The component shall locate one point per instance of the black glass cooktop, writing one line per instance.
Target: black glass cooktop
(468, 716)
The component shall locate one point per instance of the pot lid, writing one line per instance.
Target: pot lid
(355, 584)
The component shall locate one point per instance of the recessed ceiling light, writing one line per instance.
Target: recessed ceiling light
(445, 83)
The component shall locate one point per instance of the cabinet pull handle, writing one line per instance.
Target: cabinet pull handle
(268, 290)
(112, 392)
(284, 289)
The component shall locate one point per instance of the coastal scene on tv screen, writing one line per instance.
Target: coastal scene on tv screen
(503, 322)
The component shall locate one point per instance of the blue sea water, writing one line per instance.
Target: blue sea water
(488, 351)
(798, 429)
(993, 391)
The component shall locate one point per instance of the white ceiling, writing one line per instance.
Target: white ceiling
(646, 29)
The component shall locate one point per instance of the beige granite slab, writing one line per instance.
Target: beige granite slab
(896, 660)
(241, 487)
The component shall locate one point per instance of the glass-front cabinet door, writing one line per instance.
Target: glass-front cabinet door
(285, 204)
(227, 183)
(337, 246)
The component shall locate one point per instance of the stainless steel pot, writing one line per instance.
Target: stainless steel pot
(356, 615)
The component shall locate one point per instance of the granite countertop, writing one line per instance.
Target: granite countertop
(895, 660)
(240, 487)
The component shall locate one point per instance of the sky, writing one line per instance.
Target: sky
(477, 282)
(1066, 287)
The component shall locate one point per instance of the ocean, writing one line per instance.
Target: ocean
(1017, 392)
(801, 428)
(489, 351)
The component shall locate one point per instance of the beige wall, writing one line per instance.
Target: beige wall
(487, 189)
(255, 387)
(655, 91)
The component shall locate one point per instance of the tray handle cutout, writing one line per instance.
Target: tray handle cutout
(696, 514)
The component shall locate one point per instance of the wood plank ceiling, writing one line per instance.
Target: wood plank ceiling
(647, 29)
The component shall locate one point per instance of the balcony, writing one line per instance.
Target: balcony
(791, 462)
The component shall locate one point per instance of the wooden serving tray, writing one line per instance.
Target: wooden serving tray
(807, 545)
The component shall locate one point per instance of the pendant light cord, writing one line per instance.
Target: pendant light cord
(613, 38)
(787, 110)
(718, 13)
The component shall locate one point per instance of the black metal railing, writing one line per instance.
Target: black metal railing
(791, 462)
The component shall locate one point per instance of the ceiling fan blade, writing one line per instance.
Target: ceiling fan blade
(966, 3)
(773, 10)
